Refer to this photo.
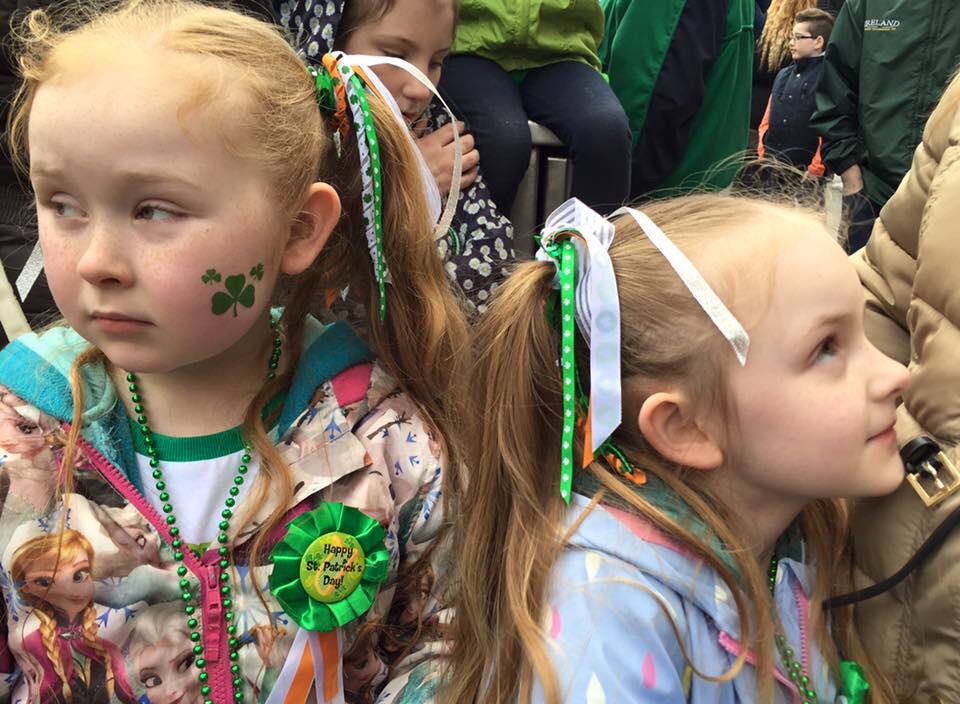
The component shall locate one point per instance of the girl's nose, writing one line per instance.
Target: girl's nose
(102, 262)
(891, 378)
(415, 90)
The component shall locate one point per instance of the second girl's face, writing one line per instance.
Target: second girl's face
(161, 245)
(417, 31)
(815, 402)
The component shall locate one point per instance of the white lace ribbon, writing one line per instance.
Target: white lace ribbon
(442, 217)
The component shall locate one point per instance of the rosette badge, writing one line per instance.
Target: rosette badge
(327, 568)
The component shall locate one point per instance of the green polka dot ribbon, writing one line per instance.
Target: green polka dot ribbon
(561, 249)
(370, 173)
(576, 239)
(328, 567)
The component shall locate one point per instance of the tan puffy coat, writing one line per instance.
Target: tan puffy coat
(911, 272)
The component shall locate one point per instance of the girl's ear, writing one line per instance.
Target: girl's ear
(667, 422)
(311, 228)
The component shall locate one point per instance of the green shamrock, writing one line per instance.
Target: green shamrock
(238, 292)
(211, 276)
(257, 272)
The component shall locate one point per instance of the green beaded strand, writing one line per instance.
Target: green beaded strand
(793, 666)
(177, 544)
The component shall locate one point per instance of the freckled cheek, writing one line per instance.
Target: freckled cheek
(60, 268)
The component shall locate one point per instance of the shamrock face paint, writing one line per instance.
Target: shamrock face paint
(238, 291)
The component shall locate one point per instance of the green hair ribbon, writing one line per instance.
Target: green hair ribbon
(576, 239)
(369, 147)
(326, 96)
(561, 249)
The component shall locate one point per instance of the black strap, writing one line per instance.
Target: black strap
(929, 546)
(918, 455)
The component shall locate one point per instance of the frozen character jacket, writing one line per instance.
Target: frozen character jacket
(610, 636)
(105, 622)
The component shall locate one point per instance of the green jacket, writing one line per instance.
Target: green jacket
(525, 34)
(886, 64)
(683, 71)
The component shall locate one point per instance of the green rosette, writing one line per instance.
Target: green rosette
(328, 567)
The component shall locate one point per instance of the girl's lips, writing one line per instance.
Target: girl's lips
(116, 323)
(887, 436)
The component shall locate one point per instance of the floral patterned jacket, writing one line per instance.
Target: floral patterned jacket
(99, 620)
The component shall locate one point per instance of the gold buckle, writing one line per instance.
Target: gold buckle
(939, 472)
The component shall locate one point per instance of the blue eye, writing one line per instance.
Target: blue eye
(826, 351)
(65, 210)
(154, 212)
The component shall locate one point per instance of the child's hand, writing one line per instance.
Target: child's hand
(852, 180)
(438, 150)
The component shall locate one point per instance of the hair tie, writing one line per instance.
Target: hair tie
(331, 94)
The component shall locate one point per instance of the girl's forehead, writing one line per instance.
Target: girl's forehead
(114, 65)
(156, 94)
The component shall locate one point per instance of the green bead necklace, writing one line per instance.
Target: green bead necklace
(793, 666)
(190, 602)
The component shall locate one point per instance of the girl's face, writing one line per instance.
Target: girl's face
(816, 402)
(68, 588)
(165, 670)
(417, 31)
(161, 244)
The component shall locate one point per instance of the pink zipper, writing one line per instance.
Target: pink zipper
(802, 605)
(207, 571)
(732, 646)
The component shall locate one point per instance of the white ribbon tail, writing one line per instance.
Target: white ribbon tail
(598, 310)
(442, 217)
(304, 671)
(12, 319)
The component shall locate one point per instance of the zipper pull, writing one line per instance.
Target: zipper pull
(212, 614)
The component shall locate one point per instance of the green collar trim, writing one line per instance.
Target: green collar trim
(190, 449)
(198, 448)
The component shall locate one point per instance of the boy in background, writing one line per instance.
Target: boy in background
(785, 132)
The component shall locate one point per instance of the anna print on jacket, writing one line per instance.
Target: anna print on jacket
(53, 573)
